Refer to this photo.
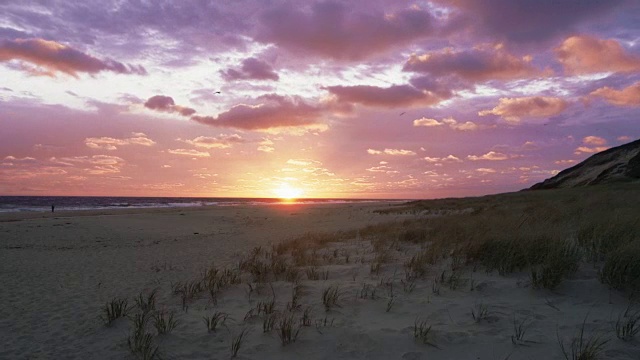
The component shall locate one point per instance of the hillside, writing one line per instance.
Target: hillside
(618, 164)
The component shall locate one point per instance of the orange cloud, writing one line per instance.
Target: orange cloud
(480, 64)
(54, 57)
(629, 96)
(585, 54)
(513, 109)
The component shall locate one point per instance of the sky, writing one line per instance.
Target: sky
(339, 99)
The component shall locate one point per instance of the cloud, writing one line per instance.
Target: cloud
(251, 68)
(331, 29)
(189, 152)
(451, 122)
(591, 144)
(266, 146)
(491, 155)
(272, 111)
(594, 140)
(393, 152)
(624, 138)
(589, 150)
(390, 97)
(564, 162)
(94, 165)
(529, 21)
(475, 65)
(486, 170)
(585, 54)
(222, 141)
(109, 143)
(448, 158)
(50, 57)
(629, 96)
(166, 104)
(513, 109)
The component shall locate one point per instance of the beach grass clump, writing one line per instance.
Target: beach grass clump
(479, 312)
(113, 310)
(583, 346)
(331, 297)
(164, 322)
(216, 319)
(520, 327)
(621, 270)
(422, 332)
(416, 267)
(140, 342)
(147, 303)
(288, 329)
(627, 326)
(269, 322)
(237, 341)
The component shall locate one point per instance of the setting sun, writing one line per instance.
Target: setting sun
(286, 191)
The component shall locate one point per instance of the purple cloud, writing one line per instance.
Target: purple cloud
(391, 97)
(166, 104)
(251, 68)
(331, 29)
(55, 57)
(531, 20)
(272, 111)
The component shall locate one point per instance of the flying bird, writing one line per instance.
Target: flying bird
(402, 113)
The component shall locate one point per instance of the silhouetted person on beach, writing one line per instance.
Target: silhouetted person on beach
(53, 207)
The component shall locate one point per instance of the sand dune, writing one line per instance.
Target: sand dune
(58, 272)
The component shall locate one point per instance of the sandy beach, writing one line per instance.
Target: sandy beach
(58, 271)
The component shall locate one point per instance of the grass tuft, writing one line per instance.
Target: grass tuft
(114, 309)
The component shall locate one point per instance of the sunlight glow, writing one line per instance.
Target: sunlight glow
(287, 192)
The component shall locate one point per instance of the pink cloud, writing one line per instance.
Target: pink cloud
(592, 144)
(585, 54)
(513, 109)
(392, 152)
(590, 150)
(629, 96)
(331, 29)
(271, 111)
(109, 143)
(476, 65)
(166, 104)
(448, 158)
(251, 68)
(222, 141)
(451, 122)
(391, 97)
(55, 57)
(189, 152)
(491, 155)
(94, 165)
(594, 140)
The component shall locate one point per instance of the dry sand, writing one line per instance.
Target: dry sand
(58, 270)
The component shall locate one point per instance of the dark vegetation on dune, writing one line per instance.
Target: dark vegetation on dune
(618, 164)
(547, 235)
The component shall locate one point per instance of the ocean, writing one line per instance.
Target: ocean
(44, 203)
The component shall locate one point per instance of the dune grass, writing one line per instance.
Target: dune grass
(113, 310)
